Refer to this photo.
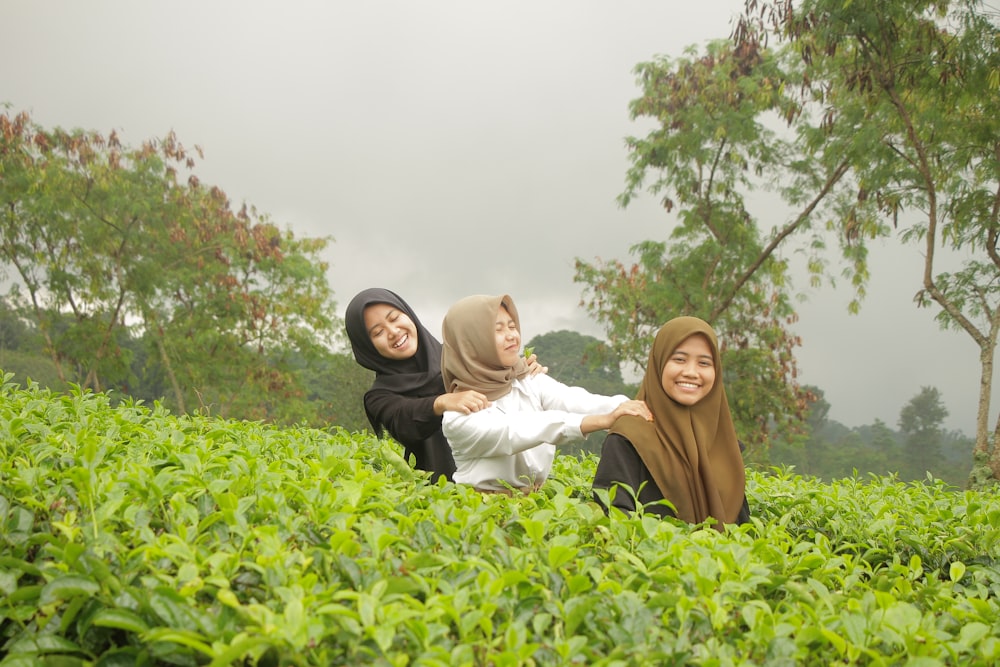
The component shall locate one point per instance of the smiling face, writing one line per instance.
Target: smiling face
(391, 330)
(689, 373)
(508, 338)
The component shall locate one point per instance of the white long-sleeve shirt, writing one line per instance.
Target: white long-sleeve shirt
(513, 442)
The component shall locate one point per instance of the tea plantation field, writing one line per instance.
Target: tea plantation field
(129, 536)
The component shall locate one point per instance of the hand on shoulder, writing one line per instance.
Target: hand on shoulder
(635, 408)
(465, 402)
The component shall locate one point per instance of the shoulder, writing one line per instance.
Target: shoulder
(541, 383)
(453, 422)
(619, 462)
(379, 395)
(617, 451)
(617, 444)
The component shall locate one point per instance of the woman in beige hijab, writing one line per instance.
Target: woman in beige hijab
(689, 454)
(509, 443)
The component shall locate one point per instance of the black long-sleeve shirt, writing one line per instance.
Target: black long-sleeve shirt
(412, 423)
(621, 465)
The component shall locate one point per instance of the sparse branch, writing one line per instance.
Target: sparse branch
(780, 237)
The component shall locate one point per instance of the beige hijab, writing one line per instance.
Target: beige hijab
(691, 452)
(469, 358)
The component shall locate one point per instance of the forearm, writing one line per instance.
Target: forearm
(593, 423)
(405, 418)
(493, 433)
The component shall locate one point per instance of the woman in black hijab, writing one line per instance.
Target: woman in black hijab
(407, 397)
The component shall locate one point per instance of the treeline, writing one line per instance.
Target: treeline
(329, 387)
(321, 390)
(127, 273)
(920, 447)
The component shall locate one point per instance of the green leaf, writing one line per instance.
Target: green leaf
(186, 638)
(122, 619)
(238, 650)
(66, 587)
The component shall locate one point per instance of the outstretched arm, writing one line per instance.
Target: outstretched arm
(603, 422)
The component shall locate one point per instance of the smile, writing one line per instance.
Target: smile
(402, 342)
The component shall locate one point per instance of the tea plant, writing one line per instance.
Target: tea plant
(129, 536)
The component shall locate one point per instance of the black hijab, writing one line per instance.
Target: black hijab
(420, 375)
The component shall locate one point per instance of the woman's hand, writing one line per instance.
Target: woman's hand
(534, 368)
(634, 408)
(465, 402)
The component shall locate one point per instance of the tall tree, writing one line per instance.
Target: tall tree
(920, 422)
(908, 91)
(714, 156)
(118, 241)
(884, 442)
(806, 449)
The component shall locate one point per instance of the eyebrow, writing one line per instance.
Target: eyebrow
(688, 354)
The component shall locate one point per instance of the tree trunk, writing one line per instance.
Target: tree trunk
(986, 454)
(169, 368)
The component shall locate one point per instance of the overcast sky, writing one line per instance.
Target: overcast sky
(448, 147)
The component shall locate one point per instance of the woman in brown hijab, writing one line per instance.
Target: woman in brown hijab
(689, 454)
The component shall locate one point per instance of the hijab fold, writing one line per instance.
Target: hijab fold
(469, 357)
(418, 376)
(692, 452)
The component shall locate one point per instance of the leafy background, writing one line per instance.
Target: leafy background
(131, 536)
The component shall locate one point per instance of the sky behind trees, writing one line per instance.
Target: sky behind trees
(449, 148)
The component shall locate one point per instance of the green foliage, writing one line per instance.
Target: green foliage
(920, 421)
(35, 367)
(130, 536)
(711, 152)
(831, 451)
(905, 91)
(108, 244)
(335, 384)
(579, 360)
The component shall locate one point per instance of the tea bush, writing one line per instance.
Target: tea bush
(129, 536)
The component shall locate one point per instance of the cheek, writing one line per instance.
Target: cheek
(665, 377)
(709, 380)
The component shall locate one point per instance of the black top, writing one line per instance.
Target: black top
(411, 422)
(401, 399)
(621, 466)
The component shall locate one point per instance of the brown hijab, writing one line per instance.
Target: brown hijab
(691, 451)
(469, 358)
